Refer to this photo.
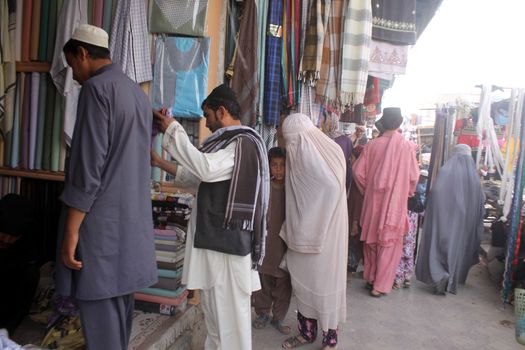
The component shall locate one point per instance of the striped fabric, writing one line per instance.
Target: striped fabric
(272, 80)
(313, 41)
(356, 51)
(262, 13)
(329, 84)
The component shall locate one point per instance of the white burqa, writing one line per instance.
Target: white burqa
(316, 226)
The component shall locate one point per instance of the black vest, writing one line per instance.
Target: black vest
(210, 232)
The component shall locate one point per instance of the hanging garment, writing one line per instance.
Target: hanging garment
(181, 75)
(328, 88)
(245, 80)
(186, 17)
(387, 60)
(272, 80)
(262, 13)
(394, 21)
(72, 14)
(128, 42)
(356, 51)
(314, 40)
(290, 55)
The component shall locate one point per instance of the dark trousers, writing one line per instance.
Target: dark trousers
(106, 323)
(275, 295)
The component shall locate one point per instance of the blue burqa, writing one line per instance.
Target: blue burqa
(453, 224)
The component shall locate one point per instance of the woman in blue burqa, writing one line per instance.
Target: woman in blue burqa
(453, 224)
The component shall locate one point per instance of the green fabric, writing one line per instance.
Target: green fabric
(44, 29)
(90, 12)
(163, 292)
(107, 15)
(56, 135)
(42, 98)
(48, 124)
(52, 28)
(169, 273)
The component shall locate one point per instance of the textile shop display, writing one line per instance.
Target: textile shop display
(514, 240)
(186, 17)
(36, 136)
(180, 75)
(170, 216)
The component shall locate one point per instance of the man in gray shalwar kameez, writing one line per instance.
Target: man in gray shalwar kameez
(107, 245)
(453, 224)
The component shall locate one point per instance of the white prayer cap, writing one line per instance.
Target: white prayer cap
(91, 35)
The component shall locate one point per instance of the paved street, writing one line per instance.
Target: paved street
(416, 319)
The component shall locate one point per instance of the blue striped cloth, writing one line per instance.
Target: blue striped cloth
(272, 76)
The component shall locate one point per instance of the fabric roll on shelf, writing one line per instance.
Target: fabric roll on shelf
(35, 30)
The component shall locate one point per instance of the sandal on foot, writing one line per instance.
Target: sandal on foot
(406, 284)
(374, 293)
(283, 329)
(260, 321)
(396, 286)
(295, 342)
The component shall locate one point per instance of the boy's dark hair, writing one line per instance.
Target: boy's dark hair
(276, 152)
(232, 107)
(95, 52)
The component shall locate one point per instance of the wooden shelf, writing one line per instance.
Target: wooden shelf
(27, 67)
(32, 174)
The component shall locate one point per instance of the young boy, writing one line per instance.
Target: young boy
(276, 286)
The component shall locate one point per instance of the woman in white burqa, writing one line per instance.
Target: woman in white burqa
(315, 230)
(453, 224)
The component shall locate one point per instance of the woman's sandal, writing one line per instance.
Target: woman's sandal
(280, 327)
(406, 284)
(260, 321)
(295, 342)
(396, 286)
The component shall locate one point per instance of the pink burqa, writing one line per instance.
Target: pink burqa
(386, 173)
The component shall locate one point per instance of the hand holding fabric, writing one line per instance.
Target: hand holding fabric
(161, 120)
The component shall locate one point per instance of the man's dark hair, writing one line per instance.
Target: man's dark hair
(95, 52)
(276, 152)
(214, 103)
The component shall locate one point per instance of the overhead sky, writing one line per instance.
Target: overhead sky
(468, 42)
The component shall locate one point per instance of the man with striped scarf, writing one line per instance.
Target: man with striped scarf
(227, 228)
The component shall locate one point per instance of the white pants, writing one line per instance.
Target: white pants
(227, 313)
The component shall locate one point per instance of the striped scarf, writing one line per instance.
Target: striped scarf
(249, 189)
(356, 51)
(313, 41)
(329, 85)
